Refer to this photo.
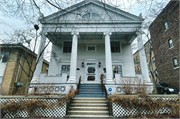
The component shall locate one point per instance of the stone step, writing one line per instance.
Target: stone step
(89, 99)
(89, 90)
(91, 95)
(88, 105)
(89, 108)
(88, 112)
(90, 116)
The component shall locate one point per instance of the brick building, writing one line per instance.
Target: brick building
(164, 32)
(17, 64)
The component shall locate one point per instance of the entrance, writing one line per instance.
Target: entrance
(91, 70)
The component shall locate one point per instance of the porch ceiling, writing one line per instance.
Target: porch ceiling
(59, 37)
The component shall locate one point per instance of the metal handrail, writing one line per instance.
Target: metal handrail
(78, 86)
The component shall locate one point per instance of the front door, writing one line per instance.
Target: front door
(91, 73)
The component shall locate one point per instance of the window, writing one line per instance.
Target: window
(166, 25)
(65, 68)
(175, 62)
(67, 47)
(117, 69)
(91, 48)
(170, 43)
(156, 73)
(91, 15)
(4, 56)
(153, 59)
(115, 47)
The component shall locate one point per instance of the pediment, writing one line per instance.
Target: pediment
(90, 10)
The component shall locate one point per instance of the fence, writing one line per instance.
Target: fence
(32, 107)
(156, 105)
(55, 107)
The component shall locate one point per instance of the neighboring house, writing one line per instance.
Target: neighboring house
(150, 61)
(164, 32)
(137, 64)
(89, 39)
(15, 63)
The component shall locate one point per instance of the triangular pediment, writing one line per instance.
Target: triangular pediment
(90, 10)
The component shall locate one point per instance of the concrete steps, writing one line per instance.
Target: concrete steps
(88, 108)
(90, 90)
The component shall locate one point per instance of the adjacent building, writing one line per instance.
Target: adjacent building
(17, 63)
(164, 32)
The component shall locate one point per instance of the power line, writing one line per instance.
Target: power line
(7, 24)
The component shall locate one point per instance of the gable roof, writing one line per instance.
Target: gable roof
(95, 2)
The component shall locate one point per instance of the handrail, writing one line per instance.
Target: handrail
(106, 95)
(78, 86)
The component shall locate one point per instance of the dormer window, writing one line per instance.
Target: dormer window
(91, 15)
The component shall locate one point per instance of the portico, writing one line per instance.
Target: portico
(88, 46)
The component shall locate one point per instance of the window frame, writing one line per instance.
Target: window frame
(120, 50)
(174, 62)
(166, 25)
(63, 48)
(170, 43)
(91, 46)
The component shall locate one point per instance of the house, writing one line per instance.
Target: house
(150, 62)
(17, 64)
(89, 39)
(165, 42)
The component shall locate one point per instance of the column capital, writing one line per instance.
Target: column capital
(74, 33)
(107, 33)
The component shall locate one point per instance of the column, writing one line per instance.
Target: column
(143, 60)
(73, 65)
(108, 59)
(39, 60)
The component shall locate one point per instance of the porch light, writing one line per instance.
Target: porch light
(82, 64)
(99, 64)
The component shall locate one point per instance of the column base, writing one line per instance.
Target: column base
(72, 80)
(109, 81)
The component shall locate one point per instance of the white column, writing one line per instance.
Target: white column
(108, 59)
(73, 65)
(143, 60)
(39, 60)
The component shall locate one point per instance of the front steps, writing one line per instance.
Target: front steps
(88, 107)
(91, 90)
(90, 102)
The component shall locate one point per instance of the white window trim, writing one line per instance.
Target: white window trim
(91, 50)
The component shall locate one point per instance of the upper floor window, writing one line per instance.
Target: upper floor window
(91, 15)
(153, 59)
(175, 62)
(91, 48)
(156, 73)
(65, 68)
(166, 25)
(115, 47)
(67, 47)
(4, 56)
(170, 42)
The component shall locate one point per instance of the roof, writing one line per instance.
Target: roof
(95, 2)
(165, 8)
(22, 47)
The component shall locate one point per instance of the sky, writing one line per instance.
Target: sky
(10, 24)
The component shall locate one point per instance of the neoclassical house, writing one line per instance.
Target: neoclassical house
(89, 39)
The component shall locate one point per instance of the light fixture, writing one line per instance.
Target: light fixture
(99, 64)
(82, 64)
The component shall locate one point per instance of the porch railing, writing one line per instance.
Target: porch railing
(78, 86)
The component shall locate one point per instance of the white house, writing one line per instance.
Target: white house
(89, 39)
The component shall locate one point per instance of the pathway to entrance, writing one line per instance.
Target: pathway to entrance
(90, 102)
